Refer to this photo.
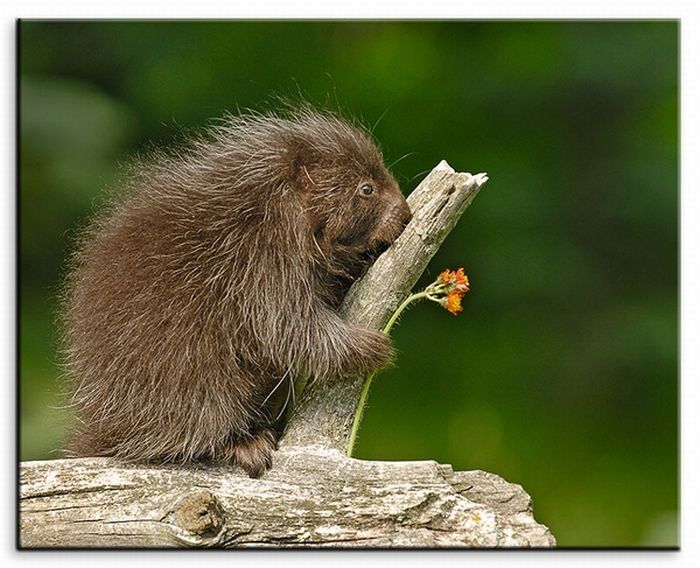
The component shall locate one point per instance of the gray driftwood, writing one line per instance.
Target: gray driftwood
(325, 413)
(314, 496)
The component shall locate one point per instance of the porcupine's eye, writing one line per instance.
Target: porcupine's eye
(366, 189)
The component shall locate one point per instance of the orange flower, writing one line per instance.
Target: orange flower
(460, 277)
(454, 279)
(453, 302)
(446, 276)
(461, 280)
(448, 289)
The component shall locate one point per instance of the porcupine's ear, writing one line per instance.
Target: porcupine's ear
(300, 161)
(302, 182)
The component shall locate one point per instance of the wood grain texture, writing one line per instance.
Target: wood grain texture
(313, 497)
(325, 412)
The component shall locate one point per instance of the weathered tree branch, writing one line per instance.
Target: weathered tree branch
(314, 496)
(325, 413)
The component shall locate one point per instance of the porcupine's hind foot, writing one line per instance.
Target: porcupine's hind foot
(252, 451)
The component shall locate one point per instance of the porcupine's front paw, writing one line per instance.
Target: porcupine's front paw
(253, 452)
(373, 351)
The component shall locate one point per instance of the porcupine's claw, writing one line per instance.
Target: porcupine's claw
(253, 452)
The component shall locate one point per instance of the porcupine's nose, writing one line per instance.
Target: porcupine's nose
(396, 220)
(400, 214)
(404, 214)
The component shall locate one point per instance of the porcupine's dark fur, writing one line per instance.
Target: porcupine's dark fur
(213, 279)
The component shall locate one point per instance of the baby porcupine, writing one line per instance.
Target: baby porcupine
(213, 280)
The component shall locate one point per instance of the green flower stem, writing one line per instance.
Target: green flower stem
(401, 308)
(427, 293)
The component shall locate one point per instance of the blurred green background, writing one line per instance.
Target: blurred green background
(562, 372)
